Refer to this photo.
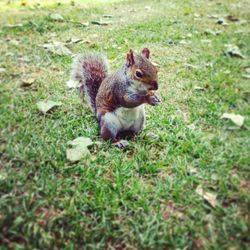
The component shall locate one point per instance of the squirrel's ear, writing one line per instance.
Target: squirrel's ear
(145, 52)
(130, 58)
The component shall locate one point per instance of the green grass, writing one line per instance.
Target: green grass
(142, 197)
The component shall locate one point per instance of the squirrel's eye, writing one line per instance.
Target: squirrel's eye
(138, 74)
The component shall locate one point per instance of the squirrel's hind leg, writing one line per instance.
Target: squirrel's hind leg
(110, 128)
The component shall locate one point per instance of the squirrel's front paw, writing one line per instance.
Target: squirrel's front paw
(153, 100)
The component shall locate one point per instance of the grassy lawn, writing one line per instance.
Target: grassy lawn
(144, 197)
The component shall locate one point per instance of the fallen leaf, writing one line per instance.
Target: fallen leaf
(71, 84)
(79, 148)
(246, 76)
(57, 48)
(211, 32)
(214, 177)
(184, 42)
(227, 72)
(199, 88)
(27, 82)
(101, 22)
(2, 70)
(14, 42)
(152, 136)
(236, 119)
(221, 21)
(233, 51)
(82, 141)
(233, 18)
(209, 197)
(108, 16)
(75, 154)
(85, 24)
(3, 176)
(238, 32)
(14, 25)
(191, 126)
(192, 170)
(247, 70)
(56, 17)
(24, 59)
(207, 41)
(73, 40)
(242, 22)
(213, 16)
(45, 106)
(191, 66)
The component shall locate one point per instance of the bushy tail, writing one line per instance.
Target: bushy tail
(90, 70)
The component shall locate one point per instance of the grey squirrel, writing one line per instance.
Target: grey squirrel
(117, 99)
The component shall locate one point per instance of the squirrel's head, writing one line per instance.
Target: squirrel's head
(142, 70)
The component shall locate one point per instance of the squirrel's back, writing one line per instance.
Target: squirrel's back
(90, 70)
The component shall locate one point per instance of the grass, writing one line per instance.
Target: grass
(143, 197)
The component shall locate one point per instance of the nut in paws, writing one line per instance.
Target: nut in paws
(154, 100)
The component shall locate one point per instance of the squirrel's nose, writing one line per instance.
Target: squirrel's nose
(154, 85)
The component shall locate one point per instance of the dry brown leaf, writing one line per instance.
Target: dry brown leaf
(79, 148)
(58, 48)
(153, 136)
(2, 70)
(233, 51)
(45, 106)
(236, 119)
(14, 25)
(211, 32)
(191, 66)
(246, 76)
(26, 82)
(84, 24)
(71, 84)
(209, 197)
(247, 70)
(56, 17)
(14, 42)
(221, 21)
(108, 16)
(101, 22)
(73, 40)
(233, 18)
(199, 88)
(192, 170)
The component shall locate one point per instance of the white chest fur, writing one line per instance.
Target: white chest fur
(123, 119)
(131, 118)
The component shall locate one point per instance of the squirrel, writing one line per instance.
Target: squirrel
(117, 99)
